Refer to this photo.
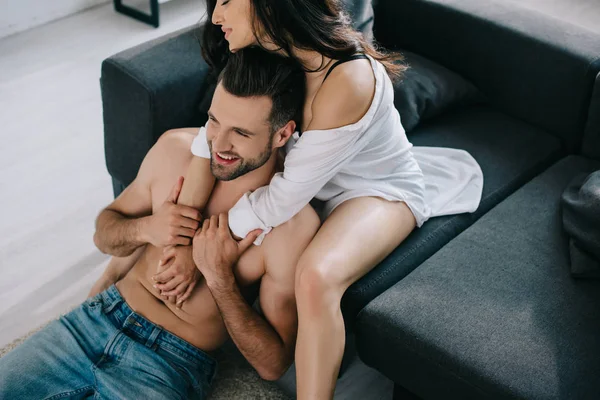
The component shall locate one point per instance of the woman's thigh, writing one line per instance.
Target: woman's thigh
(355, 237)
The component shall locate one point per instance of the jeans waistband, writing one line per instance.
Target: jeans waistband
(146, 332)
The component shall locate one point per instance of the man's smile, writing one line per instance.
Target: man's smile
(226, 160)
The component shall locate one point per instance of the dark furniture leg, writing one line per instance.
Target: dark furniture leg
(151, 19)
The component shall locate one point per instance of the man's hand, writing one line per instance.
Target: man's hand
(215, 251)
(172, 224)
(177, 274)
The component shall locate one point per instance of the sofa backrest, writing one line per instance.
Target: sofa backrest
(530, 65)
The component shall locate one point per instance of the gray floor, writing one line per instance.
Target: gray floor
(52, 174)
(52, 171)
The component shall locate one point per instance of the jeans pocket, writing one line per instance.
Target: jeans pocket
(192, 370)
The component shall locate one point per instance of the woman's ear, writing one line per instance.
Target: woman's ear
(284, 134)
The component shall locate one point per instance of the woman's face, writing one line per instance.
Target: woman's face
(235, 19)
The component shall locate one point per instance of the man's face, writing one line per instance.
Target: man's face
(238, 134)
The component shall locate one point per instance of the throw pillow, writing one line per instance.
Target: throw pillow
(427, 89)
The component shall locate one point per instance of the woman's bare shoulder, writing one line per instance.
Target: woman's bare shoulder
(345, 96)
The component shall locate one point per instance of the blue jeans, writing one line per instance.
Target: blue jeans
(104, 350)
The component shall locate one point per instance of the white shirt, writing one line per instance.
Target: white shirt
(371, 157)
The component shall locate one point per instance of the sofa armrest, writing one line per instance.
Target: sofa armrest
(147, 90)
(530, 65)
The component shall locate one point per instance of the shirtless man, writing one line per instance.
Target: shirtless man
(130, 342)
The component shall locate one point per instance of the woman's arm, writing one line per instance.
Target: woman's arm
(321, 152)
(199, 180)
(197, 185)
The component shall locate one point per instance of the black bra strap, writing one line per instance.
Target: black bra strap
(351, 58)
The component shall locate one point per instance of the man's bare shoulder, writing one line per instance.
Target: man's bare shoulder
(168, 159)
(177, 142)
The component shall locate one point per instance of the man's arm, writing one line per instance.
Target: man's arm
(267, 343)
(128, 222)
(269, 350)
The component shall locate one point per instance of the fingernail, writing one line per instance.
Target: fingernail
(154, 286)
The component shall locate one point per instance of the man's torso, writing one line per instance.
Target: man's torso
(198, 321)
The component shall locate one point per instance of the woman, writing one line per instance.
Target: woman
(353, 154)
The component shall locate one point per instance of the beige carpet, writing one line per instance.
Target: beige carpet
(235, 379)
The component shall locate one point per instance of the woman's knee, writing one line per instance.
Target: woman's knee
(317, 281)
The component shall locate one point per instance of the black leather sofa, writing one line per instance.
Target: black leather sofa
(474, 305)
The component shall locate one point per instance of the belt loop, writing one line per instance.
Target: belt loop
(111, 298)
(153, 336)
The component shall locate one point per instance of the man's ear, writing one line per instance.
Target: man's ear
(284, 134)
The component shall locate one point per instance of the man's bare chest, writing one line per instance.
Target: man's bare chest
(250, 267)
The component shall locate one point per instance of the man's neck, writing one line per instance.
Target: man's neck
(250, 181)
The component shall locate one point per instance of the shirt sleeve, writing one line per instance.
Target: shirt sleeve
(200, 145)
(311, 162)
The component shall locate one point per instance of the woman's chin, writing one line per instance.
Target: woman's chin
(233, 48)
(236, 46)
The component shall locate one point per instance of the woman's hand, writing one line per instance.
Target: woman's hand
(177, 275)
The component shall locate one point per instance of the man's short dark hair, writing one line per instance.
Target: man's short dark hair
(253, 71)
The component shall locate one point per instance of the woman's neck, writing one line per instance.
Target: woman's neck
(311, 60)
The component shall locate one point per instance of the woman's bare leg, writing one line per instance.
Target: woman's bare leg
(358, 235)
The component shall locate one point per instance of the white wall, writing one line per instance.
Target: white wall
(19, 15)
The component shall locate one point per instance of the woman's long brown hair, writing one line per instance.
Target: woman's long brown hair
(317, 25)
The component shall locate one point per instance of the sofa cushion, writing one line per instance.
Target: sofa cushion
(528, 64)
(509, 152)
(427, 89)
(495, 313)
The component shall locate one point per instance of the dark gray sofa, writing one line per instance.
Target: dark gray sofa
(538, 75)
(495, 312)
